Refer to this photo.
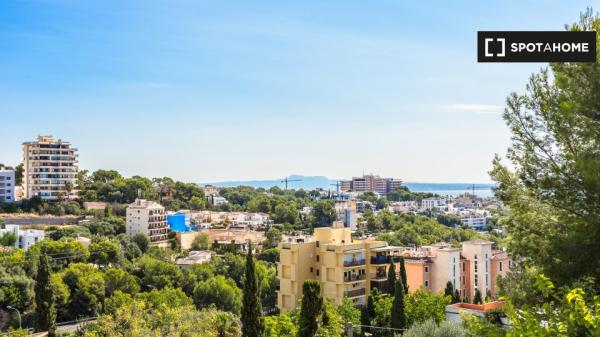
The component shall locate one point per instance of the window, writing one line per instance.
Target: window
(317, 258)
(317, 272)
(500, 266)
(426, 269)
(426, 283)
(311, 269)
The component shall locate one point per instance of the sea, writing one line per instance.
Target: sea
(482, 190)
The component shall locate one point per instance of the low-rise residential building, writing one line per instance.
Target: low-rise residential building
(7, 186)
(403, 206)
(205, 219)
(149, 218)
(194, 257)
(475, 221)
(216, 200)
(433, 204)
(25, 237)
(237, 237)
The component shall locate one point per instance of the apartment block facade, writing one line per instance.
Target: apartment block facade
(50, 168)
(370, 183)
(353, 268)
(149, 218)
(343, 266)
(7, 186)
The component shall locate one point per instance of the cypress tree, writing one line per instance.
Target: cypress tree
(477, 298)
(253, 324)
(398, 318)
(449, 291)
(456, 296)
(311, 308)
(403, 275)
(391, 278)
(367, 312)
(45, 312)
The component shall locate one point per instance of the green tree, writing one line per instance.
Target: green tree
(553, 193)
(120, 280)
(422, 305)
(403, 275)
(449, 291)
(431, 328)
(8, 239)
(367, 312)
(477, 298)
(398, 317)
(45, 311)
(141, 241)
(273, 236)
(311, 308)
(391, 278)
(201, 242)
(252, 316)
(104, 252)
(280, 326)
(86, 285)
(324, 213)
(218, 291)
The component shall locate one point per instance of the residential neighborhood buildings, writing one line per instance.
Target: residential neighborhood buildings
(352, 268)
(149, 218)
(50, 168)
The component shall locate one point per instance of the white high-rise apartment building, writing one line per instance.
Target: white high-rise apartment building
(149, 218)
(7, 186)
(50, 168)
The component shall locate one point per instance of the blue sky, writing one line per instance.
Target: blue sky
(231, 90)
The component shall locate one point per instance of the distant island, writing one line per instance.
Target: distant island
(313, 182)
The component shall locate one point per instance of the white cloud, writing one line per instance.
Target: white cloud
(477, 108)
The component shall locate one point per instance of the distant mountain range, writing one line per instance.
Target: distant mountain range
(313, 182)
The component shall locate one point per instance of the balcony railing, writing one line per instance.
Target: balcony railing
(383, 259)
(356, 292)
(354, 277)
(378, 276)
(354, 262)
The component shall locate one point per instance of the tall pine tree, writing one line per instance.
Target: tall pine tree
(367, 312)
(253, 324)
(45, 311)
(311, 308)
(391, 278)
(398, 317)
(403, 275)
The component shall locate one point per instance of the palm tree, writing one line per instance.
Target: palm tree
(227, 325)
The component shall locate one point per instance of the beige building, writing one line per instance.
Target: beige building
(50, 168)
(370, 183)
(343, 266)
(352, 268)
(149, 218)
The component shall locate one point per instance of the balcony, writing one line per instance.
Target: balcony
(354, 277)
(355, 293)
(384, 259)
(379, 276)
(354, 262)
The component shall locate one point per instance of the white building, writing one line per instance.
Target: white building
(475, 221)
(7, 186)
(149, 218)
(433, 204)
(402, 206)
(25, 238)
(50, 168)
(194, 257)
(216, 200)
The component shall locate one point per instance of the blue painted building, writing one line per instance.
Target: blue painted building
(179, 222)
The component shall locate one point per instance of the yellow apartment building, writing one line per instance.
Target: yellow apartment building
(343, 266)
(352, 268)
